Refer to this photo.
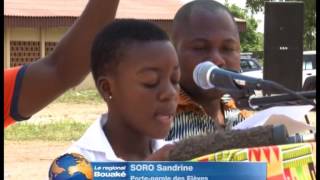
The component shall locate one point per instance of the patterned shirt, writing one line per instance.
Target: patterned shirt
(191, 119)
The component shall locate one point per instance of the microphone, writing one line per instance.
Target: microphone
(200, 145)
(207, 76)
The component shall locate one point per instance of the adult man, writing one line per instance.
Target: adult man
(29, 88)
(204, 30)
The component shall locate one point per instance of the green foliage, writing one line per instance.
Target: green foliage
(309, 25)
(255, 5)
(250, 40)
(309, 19)
(64, 130)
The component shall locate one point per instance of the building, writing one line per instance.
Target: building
(32, 28)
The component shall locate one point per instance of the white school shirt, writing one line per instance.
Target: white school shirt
(95, 147)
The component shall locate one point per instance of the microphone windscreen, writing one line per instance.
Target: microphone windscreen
(201, 73)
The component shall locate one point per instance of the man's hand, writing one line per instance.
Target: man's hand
(162, 154)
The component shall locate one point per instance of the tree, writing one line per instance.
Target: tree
(251, 41)
(309, 35)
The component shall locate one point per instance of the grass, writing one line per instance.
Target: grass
(61, 130)
(88, 96)
(64, 130)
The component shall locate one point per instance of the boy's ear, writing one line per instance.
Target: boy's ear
(104, 87)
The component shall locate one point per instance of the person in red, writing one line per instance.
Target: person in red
(11, 79)
(30, 88)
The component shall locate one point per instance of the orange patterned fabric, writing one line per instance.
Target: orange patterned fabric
(191, 118)
(289, 161)
(185, 103)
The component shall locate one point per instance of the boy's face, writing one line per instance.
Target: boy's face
(208, 36)
(145, 88)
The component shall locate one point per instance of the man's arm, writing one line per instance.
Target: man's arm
(68, 64)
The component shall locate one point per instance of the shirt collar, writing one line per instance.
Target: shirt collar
(185, 103)
(94, 139)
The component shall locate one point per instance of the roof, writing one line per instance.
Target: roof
(49, 13)
(139, 9)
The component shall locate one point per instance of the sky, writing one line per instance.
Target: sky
(242, 3)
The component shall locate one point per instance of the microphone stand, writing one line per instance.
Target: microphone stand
(245, 100)
(242, 94)
(281, 99)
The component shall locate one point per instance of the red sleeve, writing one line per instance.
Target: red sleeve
(12, 83)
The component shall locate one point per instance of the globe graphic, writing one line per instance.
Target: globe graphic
(70, 166)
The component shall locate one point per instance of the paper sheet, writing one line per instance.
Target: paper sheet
(291, 116)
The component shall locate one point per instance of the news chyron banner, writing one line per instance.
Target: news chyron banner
(179, 170)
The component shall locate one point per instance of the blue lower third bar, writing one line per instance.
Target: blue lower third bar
(180, 170)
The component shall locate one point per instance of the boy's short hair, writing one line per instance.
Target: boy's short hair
(111, 43)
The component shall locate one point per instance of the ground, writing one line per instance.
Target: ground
(26, 159)
(73, 111)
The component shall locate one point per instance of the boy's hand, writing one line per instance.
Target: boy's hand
(162, 154)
